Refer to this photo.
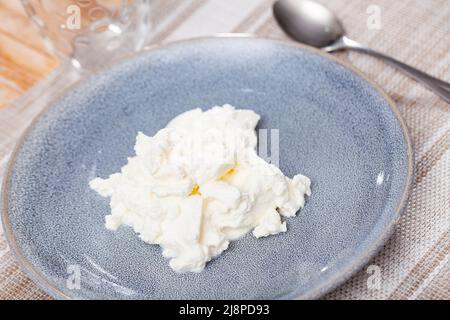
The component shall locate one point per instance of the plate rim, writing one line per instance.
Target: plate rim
(332, 282)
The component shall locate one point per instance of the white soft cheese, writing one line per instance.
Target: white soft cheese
(198, 184)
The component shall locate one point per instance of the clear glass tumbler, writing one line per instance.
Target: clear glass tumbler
(91, 33)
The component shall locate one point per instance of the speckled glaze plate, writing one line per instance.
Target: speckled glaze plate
(336, 127)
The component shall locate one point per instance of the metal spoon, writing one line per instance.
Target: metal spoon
(311, 23)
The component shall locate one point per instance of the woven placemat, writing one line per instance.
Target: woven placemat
(415, 262)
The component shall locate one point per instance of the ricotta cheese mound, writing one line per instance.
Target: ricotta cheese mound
(198, 184)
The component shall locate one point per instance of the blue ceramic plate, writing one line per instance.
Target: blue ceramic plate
(335, 127)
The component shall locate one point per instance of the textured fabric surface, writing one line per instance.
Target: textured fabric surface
(415, 262)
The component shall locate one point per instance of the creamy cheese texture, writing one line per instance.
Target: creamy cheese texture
(198, 184)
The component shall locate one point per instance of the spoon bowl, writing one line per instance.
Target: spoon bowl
(308, 22)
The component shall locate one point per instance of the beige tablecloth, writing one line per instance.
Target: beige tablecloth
(415, 262)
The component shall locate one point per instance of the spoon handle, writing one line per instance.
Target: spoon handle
(440, 87)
